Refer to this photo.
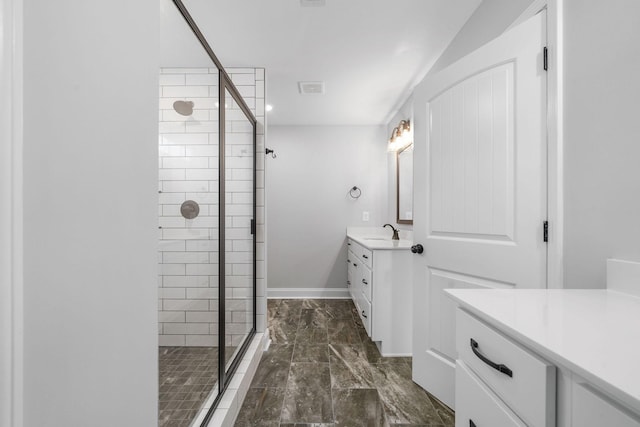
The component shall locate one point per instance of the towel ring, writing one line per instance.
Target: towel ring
(355, 192)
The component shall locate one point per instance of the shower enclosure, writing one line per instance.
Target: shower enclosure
(207, 213)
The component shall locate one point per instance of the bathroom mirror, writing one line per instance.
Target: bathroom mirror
(404, 189)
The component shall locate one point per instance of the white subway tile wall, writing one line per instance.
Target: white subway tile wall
(188, 149)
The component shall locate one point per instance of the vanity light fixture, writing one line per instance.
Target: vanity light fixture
(400, 136)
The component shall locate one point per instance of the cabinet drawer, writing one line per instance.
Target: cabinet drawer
(364, 310)
(352, 271)
(356, 260)
(365, 282)
(363, 254)
(527, 384)
(350, 280)
(354, 247)
(366, 256)
(591, 410)
(477, 406)
(351, 256)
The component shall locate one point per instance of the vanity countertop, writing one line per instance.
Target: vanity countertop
(594, 333)
(375, 242)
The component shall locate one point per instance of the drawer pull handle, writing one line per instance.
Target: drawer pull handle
(364, 256)
(355, 265)
(348, 244)
(497, 366)
(365, 282)
(348, 282)
(471, 423)
(364, 315)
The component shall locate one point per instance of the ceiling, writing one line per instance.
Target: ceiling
(369, 53)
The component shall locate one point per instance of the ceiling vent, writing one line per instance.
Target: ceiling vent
(312, 3)
(311, 88)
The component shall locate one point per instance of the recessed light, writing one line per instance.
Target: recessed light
(268, 107)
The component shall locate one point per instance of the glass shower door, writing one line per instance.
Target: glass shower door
(239, 167)
(188, 259)
(207, 212)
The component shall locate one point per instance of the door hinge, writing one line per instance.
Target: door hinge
(545, 232)
(253, 226)
(545, 58)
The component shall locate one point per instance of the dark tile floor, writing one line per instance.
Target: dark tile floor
(322, 370)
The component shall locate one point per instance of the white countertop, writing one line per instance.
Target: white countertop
(375, 243)
(374, 238)
(593, 333)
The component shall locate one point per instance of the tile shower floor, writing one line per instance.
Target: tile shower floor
(187, 376)
(323, 370)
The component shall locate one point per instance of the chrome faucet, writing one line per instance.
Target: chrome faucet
(395, 232)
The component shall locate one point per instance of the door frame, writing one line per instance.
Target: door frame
(555, 134)
(11, 225)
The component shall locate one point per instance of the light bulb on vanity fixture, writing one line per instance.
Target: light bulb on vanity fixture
(400, 136)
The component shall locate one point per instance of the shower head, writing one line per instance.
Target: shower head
(184, 108)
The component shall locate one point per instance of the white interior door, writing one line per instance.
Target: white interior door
(482, 190)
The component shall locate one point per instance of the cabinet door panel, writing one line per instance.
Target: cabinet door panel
(591, 410)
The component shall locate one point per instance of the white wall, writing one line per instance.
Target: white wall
(602, 137)
(488, 21)
(10, 213)
(90, 213)
(309, 205)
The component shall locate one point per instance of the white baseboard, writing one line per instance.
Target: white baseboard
(308, 293)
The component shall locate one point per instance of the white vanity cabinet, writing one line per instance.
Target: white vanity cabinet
(545, 358)
(379, 281)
